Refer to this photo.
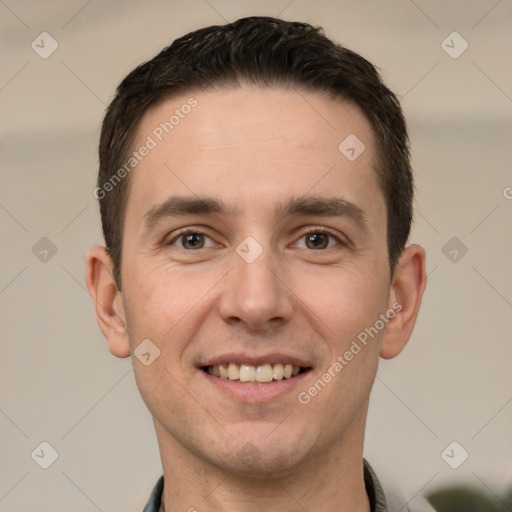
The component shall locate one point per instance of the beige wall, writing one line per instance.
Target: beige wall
(59, 383)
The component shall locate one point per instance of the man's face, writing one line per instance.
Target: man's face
(206, 294)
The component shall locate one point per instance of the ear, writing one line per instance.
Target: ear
(107, 298)
(407, 287)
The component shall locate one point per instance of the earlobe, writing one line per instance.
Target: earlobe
(407, 287)
(107, 301)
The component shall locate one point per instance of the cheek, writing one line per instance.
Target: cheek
(160, 308)
(346, 300)
(164, 305)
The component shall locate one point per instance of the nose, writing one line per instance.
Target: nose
(256, 294)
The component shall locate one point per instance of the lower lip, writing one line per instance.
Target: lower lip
(255, 392)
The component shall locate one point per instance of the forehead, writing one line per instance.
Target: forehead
(236, 114)
(251, 144)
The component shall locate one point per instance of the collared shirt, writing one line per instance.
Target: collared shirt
(373, 489)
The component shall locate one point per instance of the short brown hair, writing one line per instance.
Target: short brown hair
(268, 52)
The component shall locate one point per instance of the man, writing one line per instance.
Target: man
(256, 199)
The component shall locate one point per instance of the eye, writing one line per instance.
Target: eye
(190, 240)
(319, 239)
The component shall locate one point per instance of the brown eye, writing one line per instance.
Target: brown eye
(192, 241)
(317, 240)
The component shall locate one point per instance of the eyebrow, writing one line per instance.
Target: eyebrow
(180, 206)
(317, 206)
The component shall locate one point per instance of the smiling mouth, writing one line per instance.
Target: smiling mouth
(247, 373)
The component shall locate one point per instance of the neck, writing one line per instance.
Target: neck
(328, 481)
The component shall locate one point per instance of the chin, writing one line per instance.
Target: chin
(261, 456)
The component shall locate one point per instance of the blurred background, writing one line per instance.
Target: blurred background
(441, 413)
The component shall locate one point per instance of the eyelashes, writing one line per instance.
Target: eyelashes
(326, 236)
(194, 239)
(190, 235)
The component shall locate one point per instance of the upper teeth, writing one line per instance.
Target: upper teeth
(250, 373)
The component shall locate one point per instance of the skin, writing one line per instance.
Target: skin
(253, 148)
